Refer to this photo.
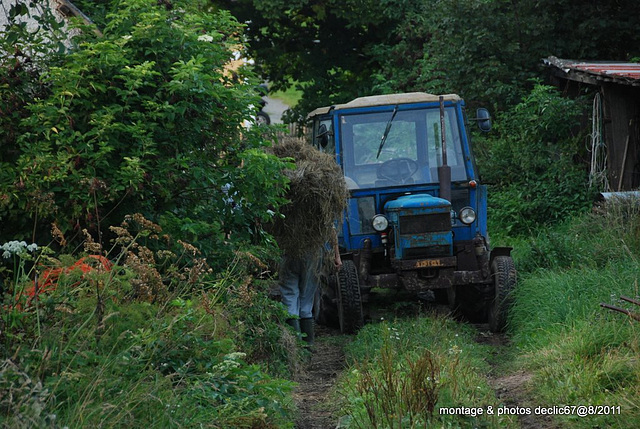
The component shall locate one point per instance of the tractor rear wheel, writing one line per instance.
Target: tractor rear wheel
(503, 272)
(325, 305)
(350, 312)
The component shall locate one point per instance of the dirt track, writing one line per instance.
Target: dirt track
(511, 389)
(316, 381)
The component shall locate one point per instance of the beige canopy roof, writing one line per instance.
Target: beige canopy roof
(384, 100)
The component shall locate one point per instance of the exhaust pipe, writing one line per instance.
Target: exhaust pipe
(444, 171)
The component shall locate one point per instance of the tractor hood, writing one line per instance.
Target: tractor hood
(417, 201)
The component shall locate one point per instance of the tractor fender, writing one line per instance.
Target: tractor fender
(499, 251)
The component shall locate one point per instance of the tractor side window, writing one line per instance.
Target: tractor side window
(455, 158)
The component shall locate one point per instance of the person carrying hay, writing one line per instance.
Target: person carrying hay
(305, 232)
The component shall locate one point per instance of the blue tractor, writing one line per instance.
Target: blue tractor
(417, 213)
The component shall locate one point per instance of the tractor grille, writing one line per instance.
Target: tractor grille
(420, 224)
(427, 252)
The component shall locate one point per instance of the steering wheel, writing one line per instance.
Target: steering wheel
(398, 170)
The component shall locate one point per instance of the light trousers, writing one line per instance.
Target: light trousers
(298, 285)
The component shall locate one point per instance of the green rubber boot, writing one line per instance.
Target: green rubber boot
(306, 327)
(294, 323)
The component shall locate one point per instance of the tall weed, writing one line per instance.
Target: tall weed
(403, 373)
(148, 341)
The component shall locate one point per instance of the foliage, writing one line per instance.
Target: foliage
(402, 373)
(531, 162)
(485, 50)
(321, 45)
(591, 240)
(143, 119)
(27, 55)
(154, 324)
(482, 50)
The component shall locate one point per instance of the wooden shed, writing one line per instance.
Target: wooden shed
(615, 122)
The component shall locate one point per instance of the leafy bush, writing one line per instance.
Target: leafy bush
(144, 119)
(531, 163)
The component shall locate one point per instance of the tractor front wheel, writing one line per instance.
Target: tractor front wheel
(503, 272)
(350, 312)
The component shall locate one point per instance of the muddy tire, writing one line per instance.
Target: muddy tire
(503, 272)
(350, 312)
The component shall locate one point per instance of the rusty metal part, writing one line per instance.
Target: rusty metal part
(422, 280)
(631, 314)
(632, 301)
(384, 281)
(482, 254)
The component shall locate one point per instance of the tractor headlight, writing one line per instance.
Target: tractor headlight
(380, 222)
(467, 215)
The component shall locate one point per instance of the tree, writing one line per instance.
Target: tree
(322, 45)
(486, 50)
(531, 162)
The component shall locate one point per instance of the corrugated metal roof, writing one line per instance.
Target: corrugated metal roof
(607, 71)
(631, 70)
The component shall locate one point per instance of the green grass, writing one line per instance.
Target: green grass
(578, 352)
(402, 373)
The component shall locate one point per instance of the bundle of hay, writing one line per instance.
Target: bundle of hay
(317, 194)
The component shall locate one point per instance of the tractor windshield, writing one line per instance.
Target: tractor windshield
(412, 147)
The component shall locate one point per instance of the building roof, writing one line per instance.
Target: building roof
(595, 72)
(386, 100)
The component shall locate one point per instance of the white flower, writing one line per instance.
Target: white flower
(17, 248)
(205, 38)
(235, 356)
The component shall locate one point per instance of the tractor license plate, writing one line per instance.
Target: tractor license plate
(430, 263)
(446, 262)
